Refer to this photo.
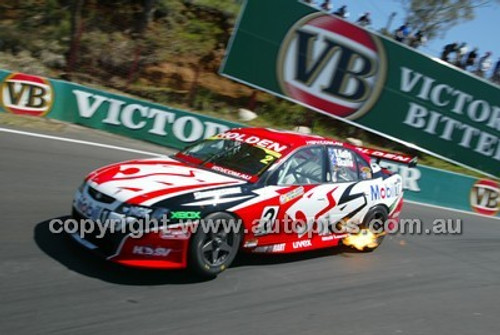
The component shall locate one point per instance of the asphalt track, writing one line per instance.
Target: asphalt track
(410, 285)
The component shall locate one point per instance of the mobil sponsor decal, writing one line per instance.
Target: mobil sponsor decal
(385, 191)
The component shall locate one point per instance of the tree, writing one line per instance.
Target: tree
(435, 17)
(148, 7)
(76, 33)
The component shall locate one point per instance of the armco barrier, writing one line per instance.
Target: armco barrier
(438, 187)
(26, 94)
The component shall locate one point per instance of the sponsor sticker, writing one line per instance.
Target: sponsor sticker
(231, 172)
(329, 64)
(333, 237)
(485, 197)
(26, 94)
(271, 248)
(302, 244)
(295, 193)
(344, 158)
(150, 251)
(186, 215)
(378, 192)
(366, 173)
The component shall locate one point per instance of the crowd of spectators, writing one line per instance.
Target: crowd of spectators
(403, 34)
(455, 53)
(459, 55)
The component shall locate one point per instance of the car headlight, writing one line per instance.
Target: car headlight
(160, 214)
(140, 212)
(81, 187)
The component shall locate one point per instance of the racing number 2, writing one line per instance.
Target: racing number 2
(267, 220)
(267, 160)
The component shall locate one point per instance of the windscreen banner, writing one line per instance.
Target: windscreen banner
(318, 60)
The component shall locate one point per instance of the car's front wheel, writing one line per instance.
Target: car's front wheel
(214, 245)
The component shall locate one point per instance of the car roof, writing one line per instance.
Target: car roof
(292, 139)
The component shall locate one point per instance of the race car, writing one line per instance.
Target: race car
(254, 190)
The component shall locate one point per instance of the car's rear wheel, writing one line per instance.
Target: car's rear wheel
(373, 223)
(214, 245)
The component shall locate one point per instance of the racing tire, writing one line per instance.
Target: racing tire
(212, 250)
(376, 213)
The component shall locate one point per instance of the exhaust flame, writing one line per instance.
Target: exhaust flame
(365, 239)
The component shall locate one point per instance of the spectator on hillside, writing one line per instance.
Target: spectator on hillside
(470, 59)
(402, 33)
(448, 50)
(417, 39)
(342, 12)
(326, 6)
(484, 64)
(495, 77)
(460, 53)
(364, 20)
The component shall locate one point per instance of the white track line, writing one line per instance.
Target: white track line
(451, 209)
(114, 147)
(70, 140)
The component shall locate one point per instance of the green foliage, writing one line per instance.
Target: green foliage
(435, 17)
(115, 59)
(25, 61)
(199, 37)
(227, 6)
(283, 113)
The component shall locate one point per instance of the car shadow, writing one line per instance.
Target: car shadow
(74, 257)
(248, 259)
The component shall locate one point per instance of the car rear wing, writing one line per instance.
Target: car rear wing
(389, 156)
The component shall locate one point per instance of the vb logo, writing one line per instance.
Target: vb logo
(26, 94)
(331, 65)
(485, 197)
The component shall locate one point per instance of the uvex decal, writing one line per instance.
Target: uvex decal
(26, 94)
(331, 65)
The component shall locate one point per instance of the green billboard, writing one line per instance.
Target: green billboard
(32, 95)
(337, 68)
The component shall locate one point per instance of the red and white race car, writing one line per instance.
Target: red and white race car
(253, 189)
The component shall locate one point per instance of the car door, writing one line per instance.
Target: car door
(290, 183)
(350, 175)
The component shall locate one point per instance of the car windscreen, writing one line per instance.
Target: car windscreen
(230, 154)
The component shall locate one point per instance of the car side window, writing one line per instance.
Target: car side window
(306, 166)
(365, 172)
(343, 165)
